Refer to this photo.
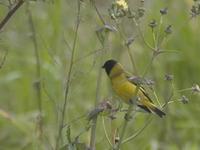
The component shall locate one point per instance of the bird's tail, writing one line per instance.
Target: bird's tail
(154, 109)
(159, 112)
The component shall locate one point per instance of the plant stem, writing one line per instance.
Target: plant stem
(11, 13)
(38, 84)
(138, 131)
(128, 49)
(94, 121)
(68, 78)
(142, 36)
(158, 33)
(104, 128)
(3, 59)
(98, 13)
(124, 126)
(132, 60)
(99, 78)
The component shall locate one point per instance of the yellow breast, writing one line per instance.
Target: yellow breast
(123, 88)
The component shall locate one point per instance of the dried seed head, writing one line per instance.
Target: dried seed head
(153, 23)
(149, 82)
(169, 77)
(127, 117)
(131, 13)
(196, 88)
(195, 10)
(164, 11)
(140, 12)
(184, 99)
(168, 29)
(109, 28)
(117, 139)
(129, 41)
(119, 8)
(104, 106)
(122, 4)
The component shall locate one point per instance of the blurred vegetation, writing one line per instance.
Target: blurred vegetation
(30, 121)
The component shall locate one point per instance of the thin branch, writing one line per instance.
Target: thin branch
(11, 13)
(38, 84)
(128, 49)
(68, 78)
(142, 36)
(87, 55)
(149, 65)
(51, 99)
(75, 120)
(3, 59)
(94, 121)
(170, 96)
(98, 13)
(104, 128)
(154, 38)
(125, 123)
(159, 31)
(48, 49)
(138, 131)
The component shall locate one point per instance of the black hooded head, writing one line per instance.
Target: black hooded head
(108, 65)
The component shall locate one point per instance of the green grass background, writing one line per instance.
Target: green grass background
(55, 22)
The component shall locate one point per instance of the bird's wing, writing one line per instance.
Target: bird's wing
(136, 80)
(145, 93)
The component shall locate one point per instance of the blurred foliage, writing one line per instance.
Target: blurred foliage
(54, 21)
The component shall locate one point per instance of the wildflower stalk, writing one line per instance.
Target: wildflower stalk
(139, 131)
(128, 49)
(104, 128)
(61, 124)
(154, 37)
(142, 36)
(132, 60)
(183, 90)
(99, 80)
(97, 11)
(94, 120)
(3, 59)
(158, 33)
(11, 13)
(38, 84)
(125, 123)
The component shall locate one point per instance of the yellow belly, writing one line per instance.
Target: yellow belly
(124, 90)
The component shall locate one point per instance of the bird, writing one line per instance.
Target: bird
(126, 89)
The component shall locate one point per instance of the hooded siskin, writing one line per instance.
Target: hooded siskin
(126, 89)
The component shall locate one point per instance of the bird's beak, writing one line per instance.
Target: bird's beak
(103, 66)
